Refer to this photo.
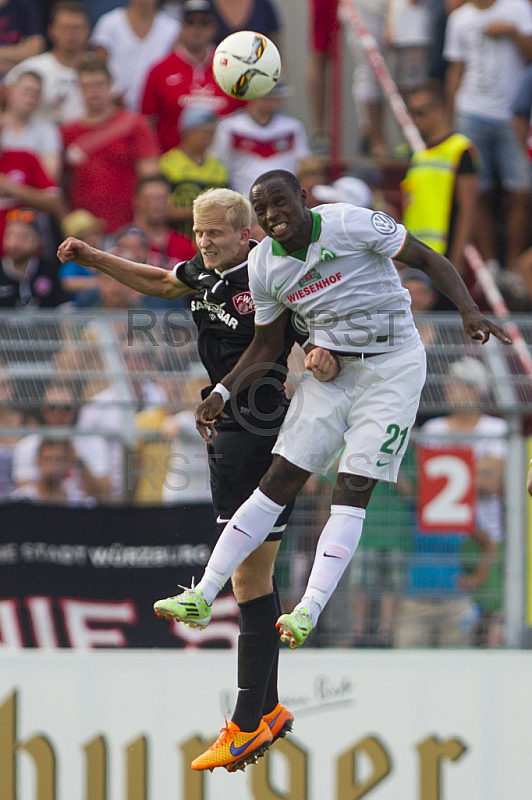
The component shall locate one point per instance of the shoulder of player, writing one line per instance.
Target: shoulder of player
(339, 217)
(189, 271)
(258, 253)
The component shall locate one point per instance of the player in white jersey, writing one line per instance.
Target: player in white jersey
(333, 265)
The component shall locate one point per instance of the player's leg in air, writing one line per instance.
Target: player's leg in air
(259, 719)
(364, 425)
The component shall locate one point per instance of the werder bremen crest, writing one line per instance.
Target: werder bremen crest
(327, 255)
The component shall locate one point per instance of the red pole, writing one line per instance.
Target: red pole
(335, 79)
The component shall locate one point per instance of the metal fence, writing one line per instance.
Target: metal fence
(126, 373)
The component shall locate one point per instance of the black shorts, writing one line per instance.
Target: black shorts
(237, 460)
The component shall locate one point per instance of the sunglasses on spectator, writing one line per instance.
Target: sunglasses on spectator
(60, 407)
(21, 215)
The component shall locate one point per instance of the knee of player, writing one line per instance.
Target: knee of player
(283, 481)
(353, 490)
(249, 581)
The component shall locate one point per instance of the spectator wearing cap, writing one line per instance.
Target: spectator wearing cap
(68, 31)
(347, 189)
(106, 151)
(423, 298)
(440, 189)
(185, 78)
(260, 137)
(85, 226)
(133, 39)
(452, 577)
(27, 280)
(190, 168)
(246, 15)
(423, 293)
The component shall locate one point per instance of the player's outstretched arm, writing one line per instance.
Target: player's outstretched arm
(253, 364)
(142, 277)
(448, 281)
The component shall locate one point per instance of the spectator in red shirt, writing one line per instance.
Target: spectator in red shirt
(23, 182)
(185, 78)
(106, 150)
(167, 247)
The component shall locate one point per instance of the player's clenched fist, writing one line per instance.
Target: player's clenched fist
(323, 364)
(75, 250)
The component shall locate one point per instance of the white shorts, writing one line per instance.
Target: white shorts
(367, 412)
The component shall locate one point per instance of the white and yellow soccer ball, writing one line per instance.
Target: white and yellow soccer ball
(246, 65)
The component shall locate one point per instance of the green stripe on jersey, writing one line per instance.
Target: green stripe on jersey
(278, 249)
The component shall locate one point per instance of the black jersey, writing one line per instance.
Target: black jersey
(224, 315)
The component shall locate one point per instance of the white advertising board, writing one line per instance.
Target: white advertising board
(408, 725)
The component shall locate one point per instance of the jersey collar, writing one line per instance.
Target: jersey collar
(301, 254)
(225, 273)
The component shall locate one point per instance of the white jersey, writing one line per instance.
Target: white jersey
(344, 284)
(61, 96)
(131, 57)
(493, 65)
(248, 149)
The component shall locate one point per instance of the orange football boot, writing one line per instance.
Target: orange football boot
(235, 749)
(279, 721)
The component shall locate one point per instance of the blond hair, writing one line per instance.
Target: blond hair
(237, 206)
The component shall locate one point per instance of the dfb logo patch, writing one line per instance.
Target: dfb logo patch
(243, 303)
(383, 223)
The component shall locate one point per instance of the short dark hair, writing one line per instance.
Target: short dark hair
(278, 175)
(72, 6)
(432, 87)
(93, 64)
(148, 179)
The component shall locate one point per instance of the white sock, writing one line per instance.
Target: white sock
(245, 531)
(337, 543)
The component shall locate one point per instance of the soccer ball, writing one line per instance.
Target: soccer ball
(246, 65)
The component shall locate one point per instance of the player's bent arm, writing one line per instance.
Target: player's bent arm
(441, 272)
(466, 197)
(446, 278)
(144, 278)
(257, 360)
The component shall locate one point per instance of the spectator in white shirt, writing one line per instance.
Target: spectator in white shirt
(488, 43)
(68, 32)
(259, 138)
(133, 39)
(23, 129)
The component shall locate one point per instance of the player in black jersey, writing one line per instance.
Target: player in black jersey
(240, 453)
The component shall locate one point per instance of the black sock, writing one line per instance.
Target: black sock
(272, 693)
(258, 646)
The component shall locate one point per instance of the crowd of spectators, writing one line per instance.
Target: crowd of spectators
(112, 124)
